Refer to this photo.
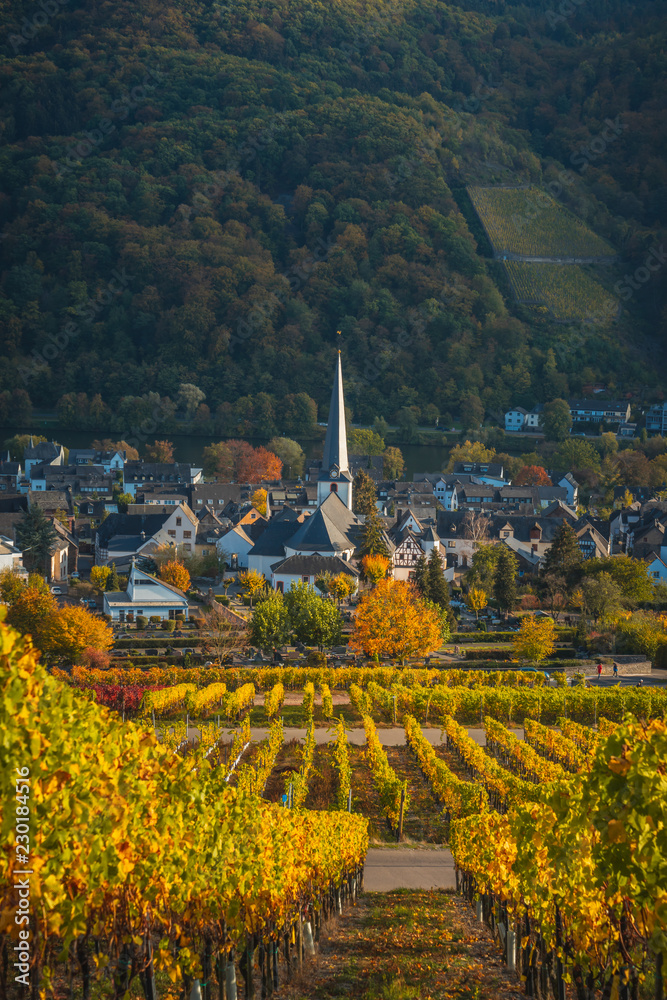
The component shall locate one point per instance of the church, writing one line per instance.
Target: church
(300, 547)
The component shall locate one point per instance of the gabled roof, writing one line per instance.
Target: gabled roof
(313, 565)
(125, 525)
(332, 527)
(280, 528)
(430, 535)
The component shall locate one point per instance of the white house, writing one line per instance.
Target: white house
(145, 596)
(306, 569)
(571, 486)
(11, 556)
(519, 419)
(235, 545)
(46, 452)
(122, 536)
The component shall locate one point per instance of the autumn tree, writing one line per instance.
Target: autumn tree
(11, 586)
(259, 501)
(159, 451)
(217, 460)
(343, 585)
(374, 568)
(99, 576)
(470, 451)
(76, 629)
(393, 463)
(364, 495)
(392, 621)
(254, 465)
(532, 475)
(535, 639)
(476, 600)
(176, 574)
(33, 613)
(602, 597)
(106, 444)
(252, 583)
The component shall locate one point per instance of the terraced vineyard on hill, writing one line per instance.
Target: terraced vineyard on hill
(568, 292)
(529, 222)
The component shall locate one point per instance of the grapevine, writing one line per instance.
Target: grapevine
(554, 745)
(239, 700)
(198, 701)
(309, 698)
(274, 699)
(342, 763)
(327, 702)
(300, 781)
(518, 755)
(460, 798)
(252, 777)
(389, 786)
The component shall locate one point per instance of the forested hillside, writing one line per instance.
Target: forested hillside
(204, 193)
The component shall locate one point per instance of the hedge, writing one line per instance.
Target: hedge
(562, 635)
(509, 654)
(498, 664)
(166, 640)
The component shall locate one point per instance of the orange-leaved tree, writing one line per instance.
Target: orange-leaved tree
(76, 630)
(342, 585)
(374, 568)
(159, 451)
(34, 613)
(176, 574)
(393, 621)
(532, 475)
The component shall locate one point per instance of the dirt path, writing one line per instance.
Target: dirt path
(405, 945)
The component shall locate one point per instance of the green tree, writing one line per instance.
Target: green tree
(631, 576)
(470, 451)
(504, 583)
(602, 596)
(393, 463)
(563, 557)
(556, 420)
(364, 495)
(421, 575)
(16, 445)
(290, 454)
(362, 441)
(372, 540)
(575, 454)
(472, 412)
(313, 620)
(270, 625)
(437, 586)
(189, 397)
(113, 580)
(483, 570)
(36, 537)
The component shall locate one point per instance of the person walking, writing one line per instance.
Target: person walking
(615, 669)
(599, 670)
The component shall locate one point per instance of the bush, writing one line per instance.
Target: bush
(316, 659)
(223, 599)
(142, 621)
(154, 619)
(168, 625)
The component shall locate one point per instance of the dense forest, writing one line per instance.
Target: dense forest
(203, 193)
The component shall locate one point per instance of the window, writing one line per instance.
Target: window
(187, 546)
(171, 533)
(179, 521)
(187, 534)
(451, 545)
(333, 488)
(204, 552)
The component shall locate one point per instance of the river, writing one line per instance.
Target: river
(190, 447)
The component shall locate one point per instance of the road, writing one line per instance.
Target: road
(390, 868)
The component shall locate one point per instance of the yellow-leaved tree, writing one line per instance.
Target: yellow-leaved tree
(259, 499)
(393, 621)
(176, 574)
(252, 583)
(375, 568)
(476, 600)
(99, 576)
(535, 639)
